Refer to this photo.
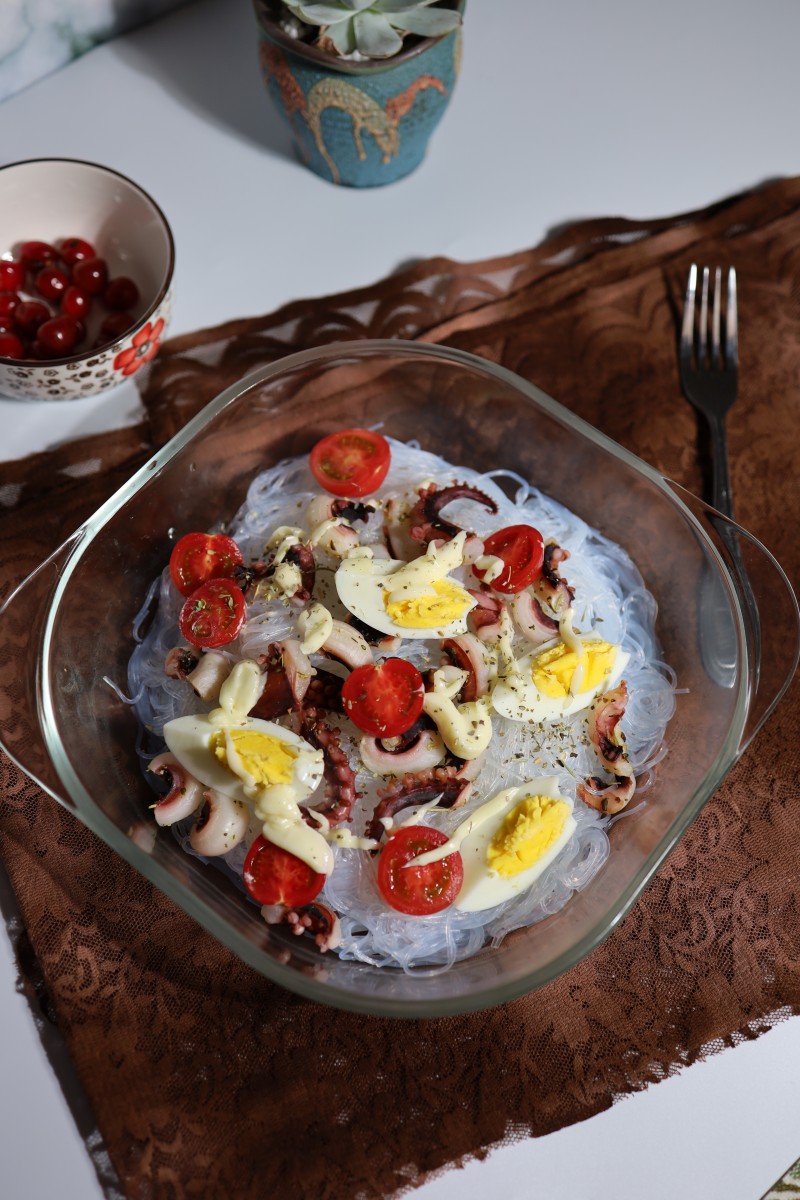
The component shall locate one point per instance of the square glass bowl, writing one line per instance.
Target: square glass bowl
(71, 733)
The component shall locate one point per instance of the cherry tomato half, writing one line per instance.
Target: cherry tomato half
(418, 890)
(198, 557)
(213, 615)
(522, 550)
(353, 462)
(274, 876)
(384, 699)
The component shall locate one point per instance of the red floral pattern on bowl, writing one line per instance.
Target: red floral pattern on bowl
(142, 348)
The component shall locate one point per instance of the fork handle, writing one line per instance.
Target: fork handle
(721, 479)
(721, 500)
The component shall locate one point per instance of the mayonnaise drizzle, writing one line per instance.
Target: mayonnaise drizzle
(474, 821)
(466, 729)
(238, 693)
(315, 624)
(491, 565)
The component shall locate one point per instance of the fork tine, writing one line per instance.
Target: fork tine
(687, 328)
(702, 338)
(715, 318)
(732, 323)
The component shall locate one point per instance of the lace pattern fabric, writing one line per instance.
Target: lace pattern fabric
(209, 1081)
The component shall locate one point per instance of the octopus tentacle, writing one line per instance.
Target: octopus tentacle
(425, 522)
(303, 558)
(422, 753)
(316, 919)
(325, 692)
(531, 621)
(607, 798)
(466, 652)
(185, 793)
(551, 586)
(484, 618)
(287, 677)
(443, 784)
(338, 775)
(609, 743)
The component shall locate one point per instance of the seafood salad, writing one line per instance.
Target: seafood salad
(398, 701)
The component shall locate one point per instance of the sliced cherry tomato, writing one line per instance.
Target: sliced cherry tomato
(353, 462)
(198, 557)
(522, 550)
(213, 615)
(418, 890)
(274, 876)
(384, 699)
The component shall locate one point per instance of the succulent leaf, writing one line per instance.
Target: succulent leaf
(343, 36)
(375, 36)
(427, 23)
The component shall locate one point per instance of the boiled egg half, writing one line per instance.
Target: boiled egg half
(241, 760)
(507, 843)
(418, 599)
(561, 677)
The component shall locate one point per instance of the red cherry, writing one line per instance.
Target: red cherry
(91, 274)
(121, 293)
(35, 350)
(115, 325)
(8, 302)
(59, 336)
(12, 275)
(29, 315)
(36, 255)
(52, 282)
(10, 345)
(75, 250)
(76, 302)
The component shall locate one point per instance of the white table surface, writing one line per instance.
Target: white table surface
(625, 108)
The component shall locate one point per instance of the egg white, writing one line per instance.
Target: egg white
(484, 888)
(188, 738)
(518, 698)
(363, 585)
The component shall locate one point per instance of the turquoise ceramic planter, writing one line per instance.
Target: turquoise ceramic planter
(359, 124)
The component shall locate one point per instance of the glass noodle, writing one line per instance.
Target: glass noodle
(610, 597)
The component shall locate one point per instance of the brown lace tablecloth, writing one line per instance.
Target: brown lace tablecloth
(206, 1080)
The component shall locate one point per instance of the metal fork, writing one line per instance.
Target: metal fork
(709, 375)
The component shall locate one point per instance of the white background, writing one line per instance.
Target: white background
(625, 108)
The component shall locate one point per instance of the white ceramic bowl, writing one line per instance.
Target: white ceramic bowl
(48, 199)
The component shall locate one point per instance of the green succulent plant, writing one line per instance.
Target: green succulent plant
(373, 28)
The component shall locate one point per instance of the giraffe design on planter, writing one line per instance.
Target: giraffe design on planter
(367, 116)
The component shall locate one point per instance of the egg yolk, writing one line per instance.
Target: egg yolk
(427, 608)
(554, 670)
(526, 834)
(255, 757)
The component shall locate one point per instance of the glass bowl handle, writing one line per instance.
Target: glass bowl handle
(768, 606)
(22, 620)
